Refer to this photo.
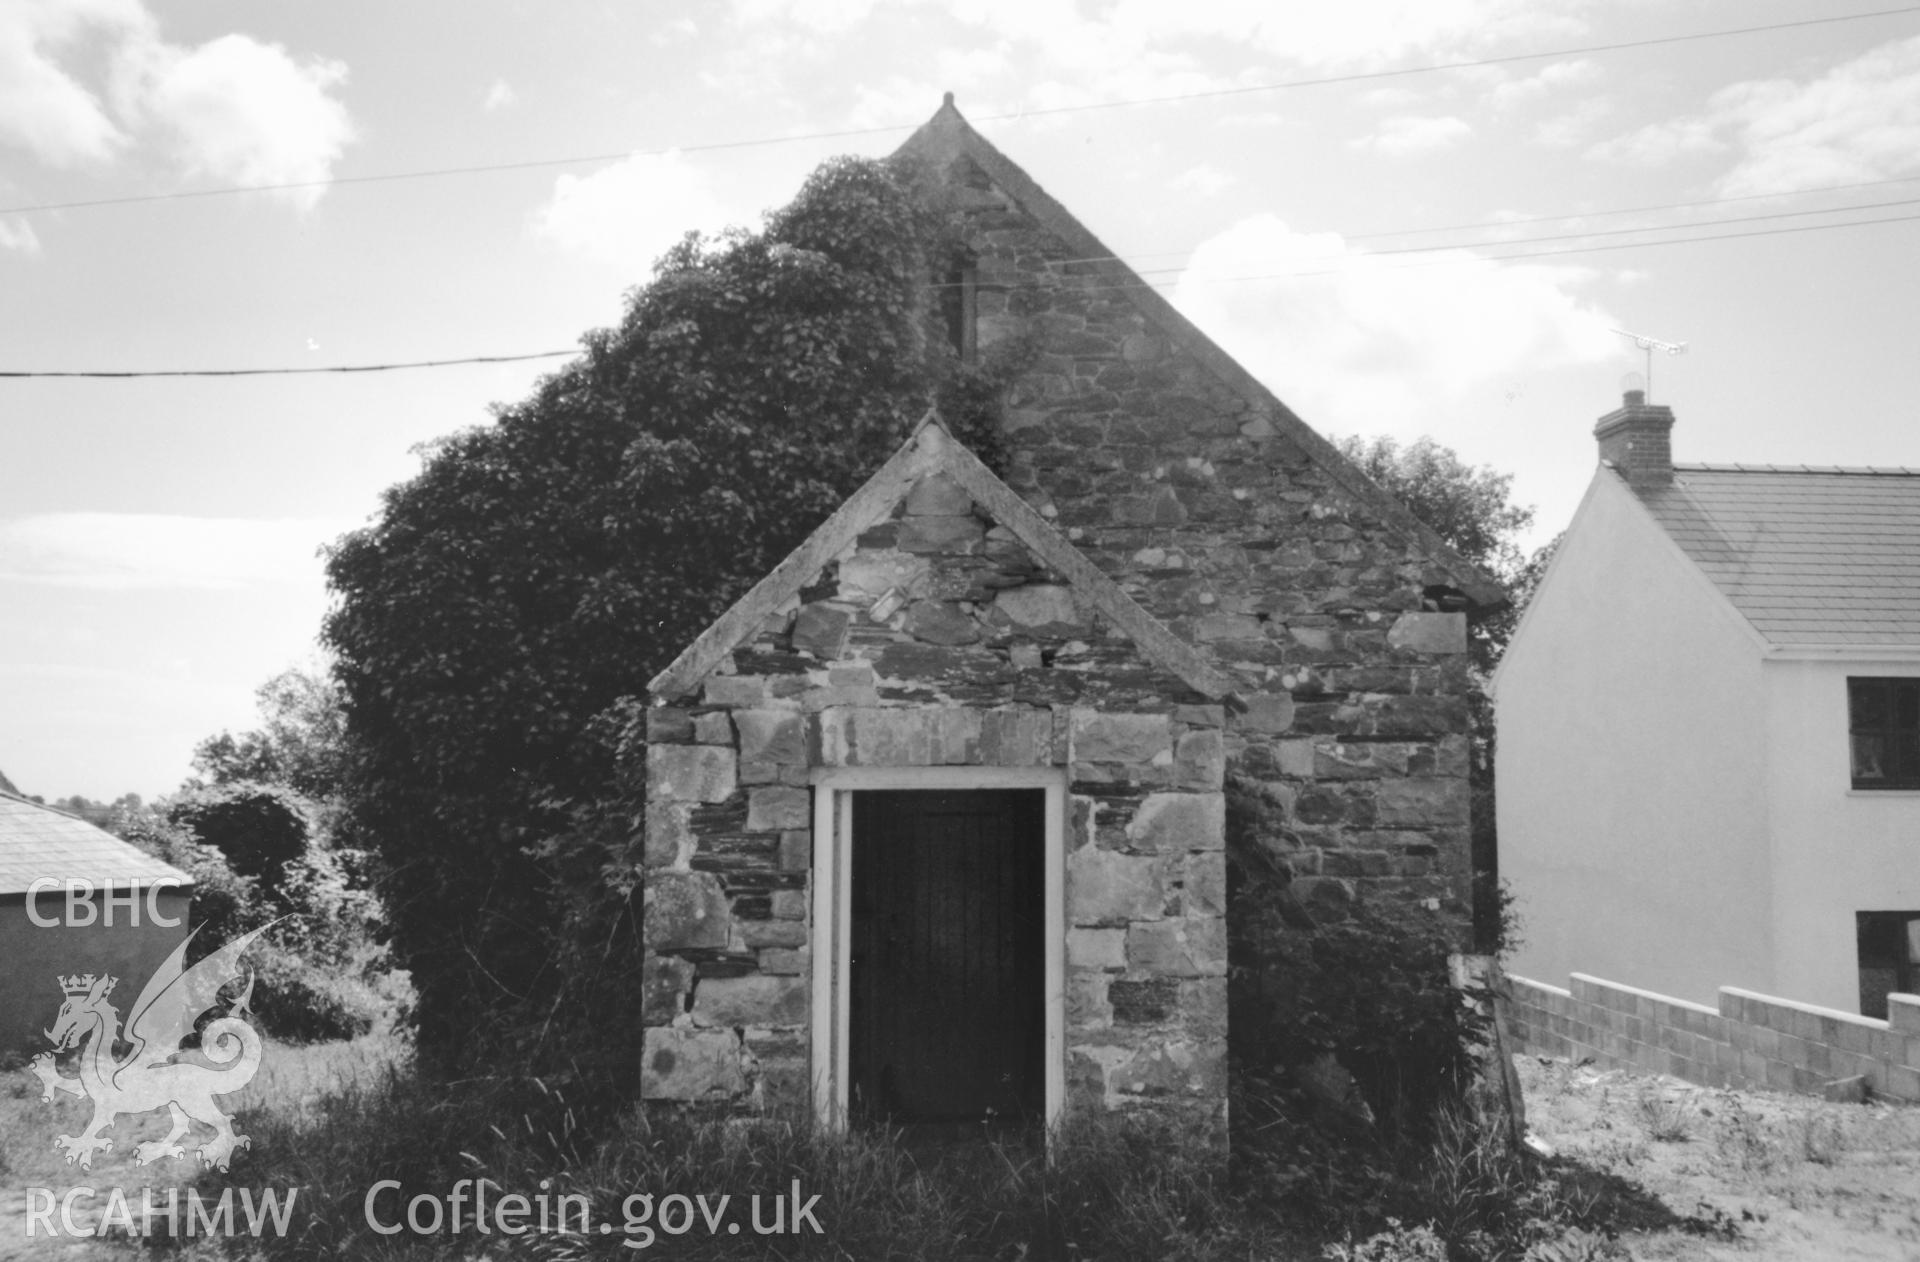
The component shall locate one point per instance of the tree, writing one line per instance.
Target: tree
(225, 904)
(1469, 508)
(106, 815)
(259, 828)
(540, 570)
(300, 743)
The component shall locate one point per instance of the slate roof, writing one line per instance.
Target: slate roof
(40, 841)
(1813, 557)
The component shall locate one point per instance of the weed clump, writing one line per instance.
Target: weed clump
(1667, 1118)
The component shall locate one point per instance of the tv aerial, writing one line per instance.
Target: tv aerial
(1650, 345)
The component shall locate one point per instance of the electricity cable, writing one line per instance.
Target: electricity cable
(1009, 116)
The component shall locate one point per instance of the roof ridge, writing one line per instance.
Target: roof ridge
(57, 810)
(1874, 471)
(948, 134)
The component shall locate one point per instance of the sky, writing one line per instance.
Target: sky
(1339, 194)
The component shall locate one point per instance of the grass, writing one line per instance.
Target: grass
(334, 1119)
(292, 1081)
(1114, 1189)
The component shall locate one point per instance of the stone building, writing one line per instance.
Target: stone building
(938, 813)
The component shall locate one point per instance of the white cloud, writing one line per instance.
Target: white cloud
(1388, 98)
(902, 98)
(1065, 52)
(43, 107)
(1548, 79)
(1407, 135)
(1660, 143)
(18, 234)
(629, 212)
(499, 96)
(679, 29)
(1258, 120)
(1858, 121)
(1369, 346)
(153, 550)
(233, 108)
(1574, 126)
(1355, 33)
(1205, 180)
(827, 17)
(237, 109)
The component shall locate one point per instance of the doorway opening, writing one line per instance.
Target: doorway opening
(946, 961)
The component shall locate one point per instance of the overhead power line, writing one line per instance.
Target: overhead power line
(287, 372)
(1576, 249)
(1457, 259)
(1013, 115)
(1617, 232)
(1481, 225)
(1361, 77)
(1644, 210)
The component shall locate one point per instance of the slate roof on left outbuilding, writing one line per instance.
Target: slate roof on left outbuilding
(38, 841)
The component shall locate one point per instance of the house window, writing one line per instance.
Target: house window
(1884, 718)
(1888, 946)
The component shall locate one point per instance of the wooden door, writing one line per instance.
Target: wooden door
(947, 1017)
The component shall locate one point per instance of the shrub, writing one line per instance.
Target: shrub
(1372, 991)
(321, 972)
(336, 920)
(260, 828)
(301, 1003)
(225, 904)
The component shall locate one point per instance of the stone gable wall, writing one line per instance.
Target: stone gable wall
(1352, 772)
(937, 640)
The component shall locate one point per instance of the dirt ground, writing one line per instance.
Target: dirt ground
(1790, 1177)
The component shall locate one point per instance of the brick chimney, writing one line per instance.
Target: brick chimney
(1636, 439)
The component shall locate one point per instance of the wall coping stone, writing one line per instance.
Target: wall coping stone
(1655, 995)
(1811, 1009)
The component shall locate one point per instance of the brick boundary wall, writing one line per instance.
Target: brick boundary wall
(1752, 1040)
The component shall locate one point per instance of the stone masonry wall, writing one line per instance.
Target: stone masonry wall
(938, 640)
(1751, 1040)
(1352, 772)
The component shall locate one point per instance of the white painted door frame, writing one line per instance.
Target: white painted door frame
(832, 920)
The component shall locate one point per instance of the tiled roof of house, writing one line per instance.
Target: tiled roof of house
(40, 841)
(1826, 557)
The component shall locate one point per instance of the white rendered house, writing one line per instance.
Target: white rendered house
(1709, 730)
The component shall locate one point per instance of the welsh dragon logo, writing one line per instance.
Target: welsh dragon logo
(152, 1075)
